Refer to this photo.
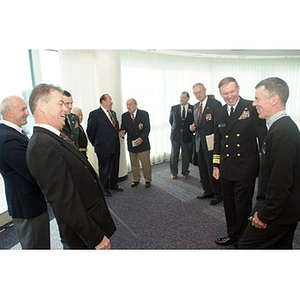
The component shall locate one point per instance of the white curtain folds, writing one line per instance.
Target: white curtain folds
(157, 80)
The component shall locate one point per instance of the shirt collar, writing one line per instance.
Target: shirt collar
(48, 127)
(12, 125)
(275, 117)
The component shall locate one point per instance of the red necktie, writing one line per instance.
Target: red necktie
(200, 112)
(132, 117)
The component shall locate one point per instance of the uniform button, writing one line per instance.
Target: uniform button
(227, 155)
(237, 134)
(226, 145)
(238, 145)
(226, 136)
(239, 154)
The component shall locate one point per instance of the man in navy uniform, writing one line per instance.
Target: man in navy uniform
(236, 157)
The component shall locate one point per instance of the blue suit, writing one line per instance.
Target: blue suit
(26, 203)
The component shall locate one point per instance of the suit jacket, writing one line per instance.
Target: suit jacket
(139, 128)
(72, 128)
(278, 193)
(181, 128)
(236, 151)
(24, 197)
(101, 132)
(72, 187)
(206, 125)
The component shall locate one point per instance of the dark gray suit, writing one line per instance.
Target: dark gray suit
(181, 138)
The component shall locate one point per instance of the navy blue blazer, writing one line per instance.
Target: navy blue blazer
(101, 132)
(206, 125)
(24, 197)
(139, 128)
(181, 127)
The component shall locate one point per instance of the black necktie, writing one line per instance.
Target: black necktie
(183, 113)
(231, 111)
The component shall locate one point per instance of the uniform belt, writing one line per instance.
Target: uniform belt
(82, 149)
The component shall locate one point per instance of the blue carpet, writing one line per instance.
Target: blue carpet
(165, 216)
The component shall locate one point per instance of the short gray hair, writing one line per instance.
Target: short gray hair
(7, 103)
(41, 92)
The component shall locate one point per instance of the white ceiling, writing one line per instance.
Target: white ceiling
(234, 53)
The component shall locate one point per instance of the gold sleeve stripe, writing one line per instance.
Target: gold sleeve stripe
(216, 159)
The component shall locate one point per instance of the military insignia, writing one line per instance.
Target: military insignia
(221, 125)
(190, 111)
(208, 117)
(245, 114)
(140, 126)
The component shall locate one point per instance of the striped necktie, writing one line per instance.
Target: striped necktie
(113, 121)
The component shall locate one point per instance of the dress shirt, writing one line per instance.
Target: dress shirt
(106, 112)
(186, 108)
(234, 107)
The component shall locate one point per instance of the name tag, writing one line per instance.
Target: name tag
(221, 125)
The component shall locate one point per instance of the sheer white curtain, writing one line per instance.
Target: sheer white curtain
(156, 82)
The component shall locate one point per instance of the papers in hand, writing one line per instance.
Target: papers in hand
(210, 142)
(134, 143)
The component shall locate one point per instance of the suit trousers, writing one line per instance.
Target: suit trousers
(185, 156)
(33, 233)
(144, 158)
(108, 169)
(205, 164)
(273, 237)
(237, 198)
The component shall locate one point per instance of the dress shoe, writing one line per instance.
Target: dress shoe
(173, 176)
(117, 188)
(205, 195)
(225, 241)
(134, 183)
(215, 201)
(107, 193)
(147, 184)
(185, 175)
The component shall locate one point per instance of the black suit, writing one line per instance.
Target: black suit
(236, 154)
(181, 137)
(72, 187)
(204, 156)
(24, 198)
(105, 139)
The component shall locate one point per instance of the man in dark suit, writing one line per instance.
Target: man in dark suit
(67, 179)
(277, 210)
(71, 127)
(103, 133)
(203, 126)
(236, 157)
(136, 124)
(181, 117)
(26, 203)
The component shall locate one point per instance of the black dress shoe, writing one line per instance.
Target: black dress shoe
(107, 193)
(225, 241)
(117, 188)
(205, 195)
(215, 201)
(147, 184)
(134, 183)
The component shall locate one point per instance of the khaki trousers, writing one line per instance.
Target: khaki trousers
(144, 158)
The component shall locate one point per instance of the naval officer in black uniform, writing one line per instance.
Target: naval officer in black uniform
(239, 134)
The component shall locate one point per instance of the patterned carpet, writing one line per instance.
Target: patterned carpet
(165, 216)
